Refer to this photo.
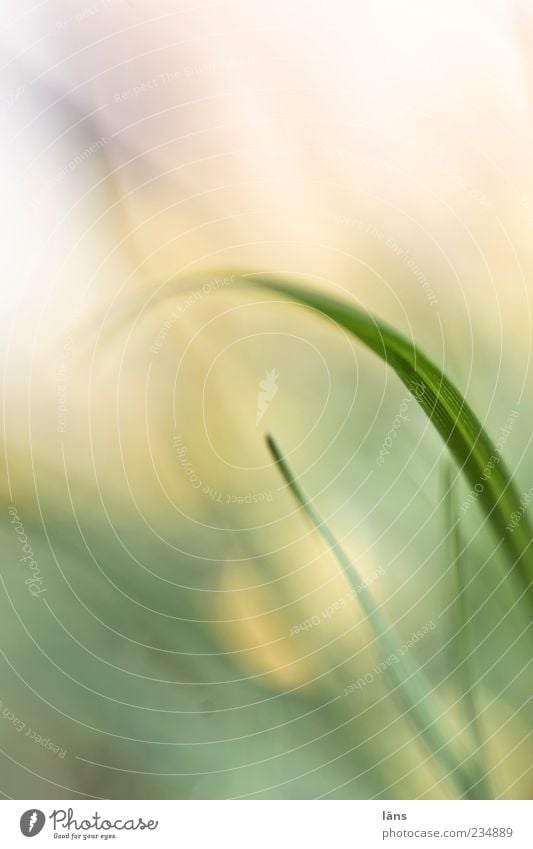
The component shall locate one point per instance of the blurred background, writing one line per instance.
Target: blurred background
(171, 626)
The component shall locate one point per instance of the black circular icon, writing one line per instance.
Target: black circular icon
(32, 822)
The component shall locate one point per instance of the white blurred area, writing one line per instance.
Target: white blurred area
(235, 133)
(381, 149)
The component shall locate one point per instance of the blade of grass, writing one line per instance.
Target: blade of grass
(461, 651)
(457, 424)
(411, 686)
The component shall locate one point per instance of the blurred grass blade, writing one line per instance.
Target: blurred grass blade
(461, 430)
(412, 689)
(461, 649)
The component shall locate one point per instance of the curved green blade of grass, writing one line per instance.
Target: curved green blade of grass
(461, 651)
(461, 430)
(411, 688)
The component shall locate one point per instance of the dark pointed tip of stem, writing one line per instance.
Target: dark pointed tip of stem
(272, 447)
